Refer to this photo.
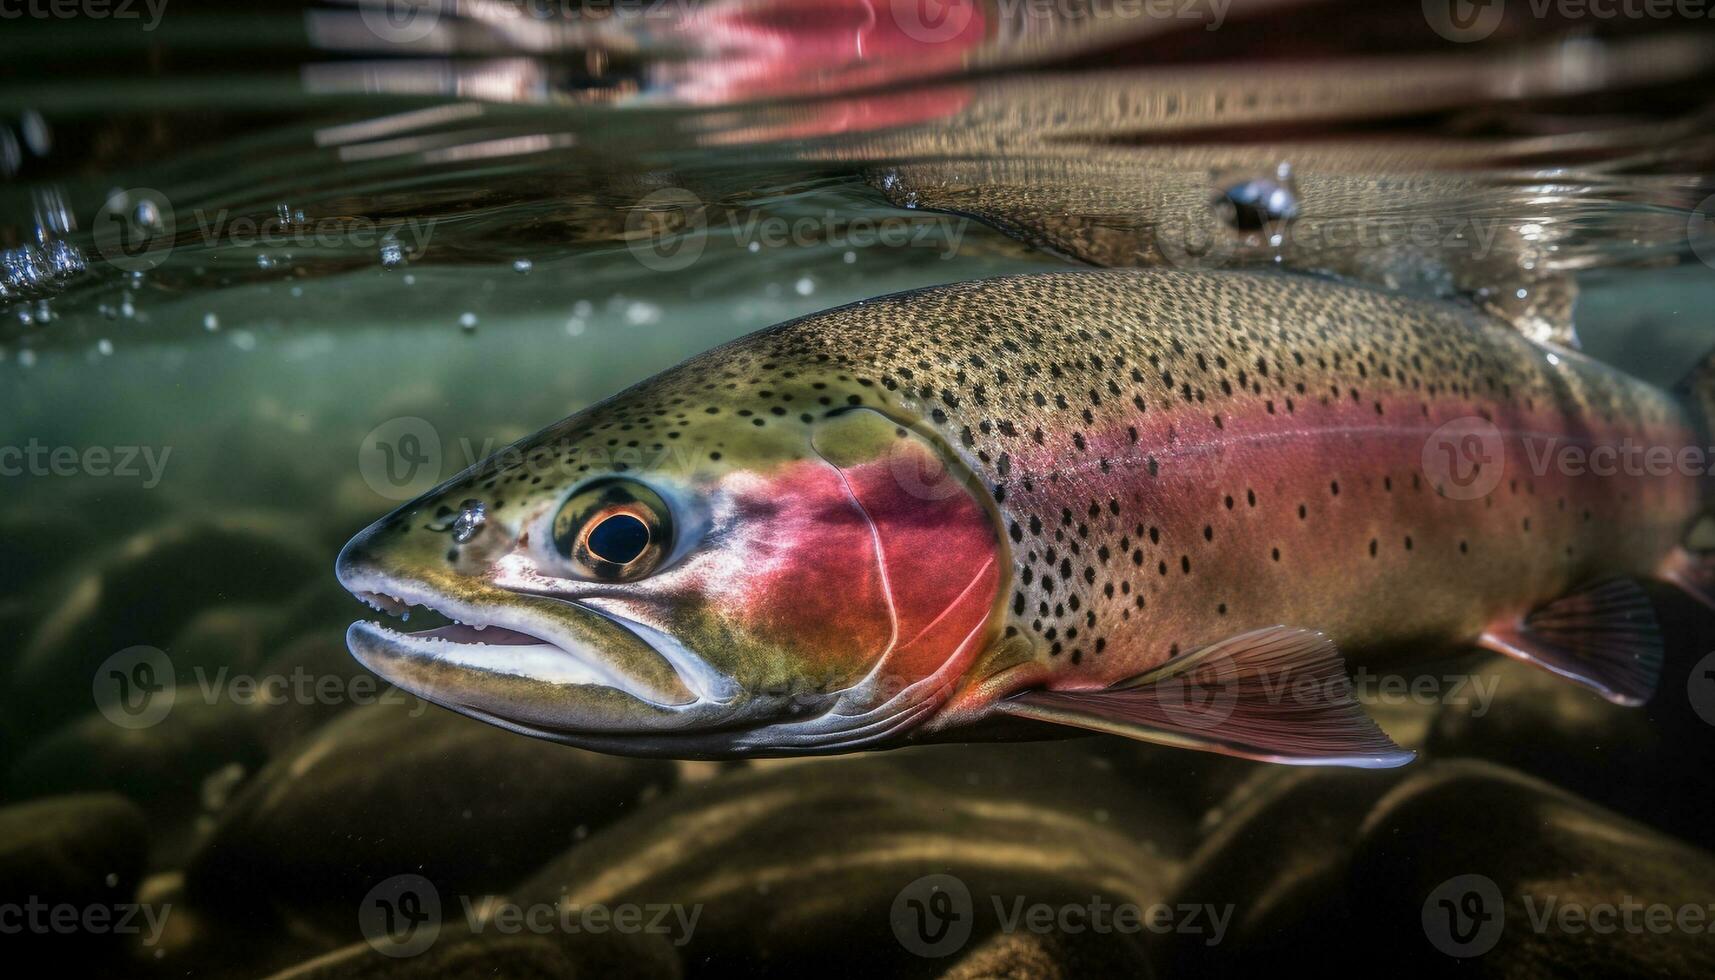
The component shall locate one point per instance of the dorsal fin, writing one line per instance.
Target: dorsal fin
(1540, 309)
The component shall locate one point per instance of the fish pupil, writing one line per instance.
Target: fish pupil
(619, 539)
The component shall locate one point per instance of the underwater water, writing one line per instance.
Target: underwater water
(272, 271)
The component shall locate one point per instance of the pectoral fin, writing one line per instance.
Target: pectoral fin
(1605, 637)
(1274, 695)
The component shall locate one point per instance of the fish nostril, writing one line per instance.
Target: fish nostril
(473, 515)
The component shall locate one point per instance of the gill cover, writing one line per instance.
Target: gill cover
(934, 584)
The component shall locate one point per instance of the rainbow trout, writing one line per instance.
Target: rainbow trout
(1158, 504)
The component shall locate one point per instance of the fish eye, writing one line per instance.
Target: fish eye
(618, 538)
(615, 529)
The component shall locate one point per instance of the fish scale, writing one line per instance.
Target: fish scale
(962, 510)
(1115, 415)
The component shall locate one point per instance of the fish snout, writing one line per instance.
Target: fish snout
(551, 665)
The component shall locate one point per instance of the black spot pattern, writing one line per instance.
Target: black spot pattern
(1079, 401)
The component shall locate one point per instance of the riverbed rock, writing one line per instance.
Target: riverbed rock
(850, 867)
(1277, 854)
(176, 769)
(1633, 760)
(516, 957)
(120, 601)
(71, 865)
(1471, 867)
(402, 787)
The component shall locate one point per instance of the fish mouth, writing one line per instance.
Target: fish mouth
(552, 667)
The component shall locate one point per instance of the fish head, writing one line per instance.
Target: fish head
(697, 568)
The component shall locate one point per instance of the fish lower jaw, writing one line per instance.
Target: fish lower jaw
(374, 644)
(476, 639)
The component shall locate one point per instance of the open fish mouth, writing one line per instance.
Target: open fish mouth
(545, 666)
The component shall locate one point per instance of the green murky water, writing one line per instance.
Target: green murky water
(269, 273)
